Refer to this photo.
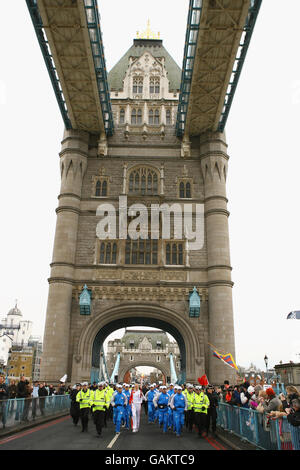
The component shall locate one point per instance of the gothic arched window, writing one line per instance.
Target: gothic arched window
(156, 117)
(168, 117)
(174, 253)
(139, 116)
(108, 252)
(143, 180)
(98, 188)
(101, 188)
(122, 116)
(154, 85)
(137, 87)
(185, 189)
(133, 116)
(151, 120)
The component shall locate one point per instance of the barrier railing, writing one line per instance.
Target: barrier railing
(23, 410)
(258, 429)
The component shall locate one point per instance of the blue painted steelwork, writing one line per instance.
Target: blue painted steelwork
(174, 377)
(40, 33)
(85, 301)
(239, 61)
(116, 369)
(258, 429)
(95, 375)
(15, 411)
(194, 304)
(93, 21)
(106, 376)
(193, 25)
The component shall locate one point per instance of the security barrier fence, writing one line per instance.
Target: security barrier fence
(258, 429)
(24, 410)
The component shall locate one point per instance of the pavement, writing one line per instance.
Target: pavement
(61, 434)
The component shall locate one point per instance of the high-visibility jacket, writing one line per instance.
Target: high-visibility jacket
(110, 392)
(190, 400)
(84, 398)
(99, 400)
(201, 403)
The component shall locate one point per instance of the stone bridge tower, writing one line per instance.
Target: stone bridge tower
(145, 282)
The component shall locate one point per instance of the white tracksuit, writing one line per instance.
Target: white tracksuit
(137, 399)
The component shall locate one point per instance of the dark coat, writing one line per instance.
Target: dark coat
(294, 418)
(43, 392)
(22, 389)
(3, 391)
(12, 391)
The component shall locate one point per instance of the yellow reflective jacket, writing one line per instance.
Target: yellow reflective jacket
(190, 397)
(99, 400)
(201, 403)
(84, 398)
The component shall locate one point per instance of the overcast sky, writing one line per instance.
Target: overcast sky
(264, 168)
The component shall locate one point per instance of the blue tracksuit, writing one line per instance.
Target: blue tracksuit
(156, 391)
(162, 407)
(150, 395)
(120, 401)
(179, 404)
(127, 409)
(170, 411)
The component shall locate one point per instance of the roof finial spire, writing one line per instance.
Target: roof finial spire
(148, 34)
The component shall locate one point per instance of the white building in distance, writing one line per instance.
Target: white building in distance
(13, 330)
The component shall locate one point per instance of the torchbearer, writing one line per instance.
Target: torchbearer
(135, 400)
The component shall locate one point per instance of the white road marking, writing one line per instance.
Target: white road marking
(113, 441)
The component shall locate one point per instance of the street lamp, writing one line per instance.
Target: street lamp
(266, 362)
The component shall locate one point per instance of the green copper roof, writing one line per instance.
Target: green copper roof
(139, 47)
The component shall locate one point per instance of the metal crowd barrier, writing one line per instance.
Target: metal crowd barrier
(258, 429)
(23, 410)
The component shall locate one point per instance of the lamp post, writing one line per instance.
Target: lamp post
(266, 362)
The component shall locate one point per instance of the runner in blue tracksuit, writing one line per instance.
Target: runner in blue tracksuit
(178, 404)
(119, 402)
(170, 392)
(127, 392)
(161, 401)
(156, 390)
(151, 410)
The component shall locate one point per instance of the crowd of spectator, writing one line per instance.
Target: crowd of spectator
(264, 400)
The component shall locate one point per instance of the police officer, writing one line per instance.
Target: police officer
(99, 404)
(84, 397)
(179, 406)
(160, 402)
(189, 395)
(212, 410)
(75, 407)
(200, 406)
(119, 403)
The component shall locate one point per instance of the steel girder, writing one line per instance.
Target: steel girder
(217, 39)
(70, 38)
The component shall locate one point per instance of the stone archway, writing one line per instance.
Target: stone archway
(127, 368)
(134, 314)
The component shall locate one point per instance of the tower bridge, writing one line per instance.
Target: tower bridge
(153, 132)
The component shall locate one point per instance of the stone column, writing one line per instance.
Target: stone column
(214, 160)
(73, 164)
